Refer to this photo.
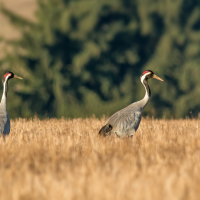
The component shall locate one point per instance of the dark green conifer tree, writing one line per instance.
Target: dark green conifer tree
(85, 57)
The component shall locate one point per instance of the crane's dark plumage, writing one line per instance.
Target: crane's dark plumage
(125, 122)
(105, 130)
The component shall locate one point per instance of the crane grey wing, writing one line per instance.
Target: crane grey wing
(125, 123)
(7, 127)
(4, 123)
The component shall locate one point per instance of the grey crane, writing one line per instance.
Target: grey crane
(125, 122)
(4, 118)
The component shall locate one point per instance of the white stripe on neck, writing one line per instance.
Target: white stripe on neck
(3, 99)
(146, 97)
(142, 81)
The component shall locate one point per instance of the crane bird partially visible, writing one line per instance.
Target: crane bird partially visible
(4, 118)
(125, 122)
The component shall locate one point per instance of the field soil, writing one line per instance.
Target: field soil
(67, 159)
(24, 8)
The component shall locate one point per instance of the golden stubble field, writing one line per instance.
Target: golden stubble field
(66, 159)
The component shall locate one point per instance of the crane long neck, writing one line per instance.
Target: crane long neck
(4, 95)
(147, 94)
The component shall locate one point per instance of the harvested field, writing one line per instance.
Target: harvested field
(24, 8)
(66, 159)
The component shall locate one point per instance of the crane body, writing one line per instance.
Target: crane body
(125, 122)
(4, 118)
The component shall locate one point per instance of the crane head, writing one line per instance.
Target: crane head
(149, 74)
(9, 75)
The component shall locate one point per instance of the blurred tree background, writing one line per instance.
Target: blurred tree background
(85, 57)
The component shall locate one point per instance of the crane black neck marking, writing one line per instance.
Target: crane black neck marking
(147, 87)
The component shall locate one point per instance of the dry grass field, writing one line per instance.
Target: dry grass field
(66, 159)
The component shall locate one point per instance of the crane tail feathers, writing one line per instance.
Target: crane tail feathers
(105, 130)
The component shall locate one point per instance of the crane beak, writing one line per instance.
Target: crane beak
(156, 77)
(15, 76)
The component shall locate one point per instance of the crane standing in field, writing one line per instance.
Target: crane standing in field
(125, 122)
(4, 118)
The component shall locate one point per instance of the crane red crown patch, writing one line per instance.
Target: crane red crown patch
(6, 75)
(145, 72)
